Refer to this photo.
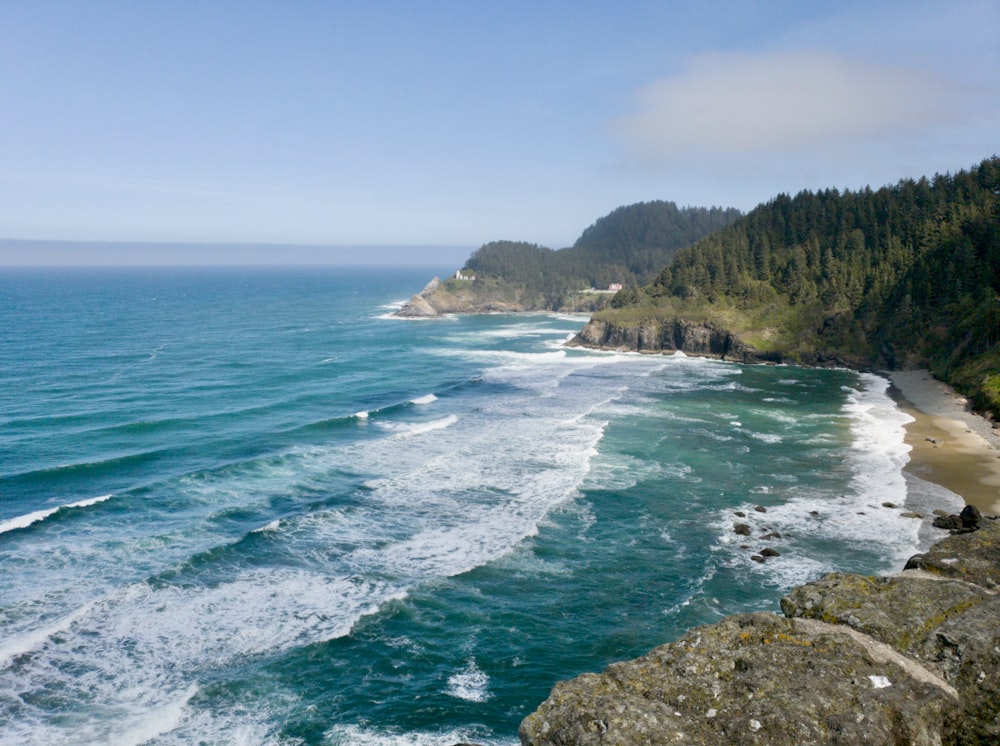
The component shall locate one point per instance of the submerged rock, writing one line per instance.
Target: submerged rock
(908, 659)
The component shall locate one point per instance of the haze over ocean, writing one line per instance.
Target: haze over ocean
(248, 506)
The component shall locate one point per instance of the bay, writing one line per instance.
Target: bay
(249, 506)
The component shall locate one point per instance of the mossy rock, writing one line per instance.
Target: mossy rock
(972, 557)
(750, 679)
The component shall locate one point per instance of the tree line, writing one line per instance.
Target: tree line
(629, 246)
(908, 274)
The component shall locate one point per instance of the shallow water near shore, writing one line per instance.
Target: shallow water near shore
(251, 507)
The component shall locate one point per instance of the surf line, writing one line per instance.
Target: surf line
(23, 521)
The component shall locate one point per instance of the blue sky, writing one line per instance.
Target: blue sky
(456, 123)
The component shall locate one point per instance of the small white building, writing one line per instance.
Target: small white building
(615, 286)
(460, 276)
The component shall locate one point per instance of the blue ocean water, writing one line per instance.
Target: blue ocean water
(251, 507)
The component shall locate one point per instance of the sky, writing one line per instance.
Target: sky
(450, 124)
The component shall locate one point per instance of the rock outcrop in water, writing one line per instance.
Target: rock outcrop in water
(908, 659)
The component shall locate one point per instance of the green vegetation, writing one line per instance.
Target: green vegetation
(628, 246)
(905, 276)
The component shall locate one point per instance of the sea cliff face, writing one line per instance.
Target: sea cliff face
(670, 336)
(695, 338)
(913, 658)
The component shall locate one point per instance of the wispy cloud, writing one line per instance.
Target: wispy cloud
(738, 103)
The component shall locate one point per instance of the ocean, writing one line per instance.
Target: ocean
(251, 507)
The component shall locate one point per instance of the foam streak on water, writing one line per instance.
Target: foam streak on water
(40, 515)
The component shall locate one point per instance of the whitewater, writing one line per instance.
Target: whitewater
(252, 507)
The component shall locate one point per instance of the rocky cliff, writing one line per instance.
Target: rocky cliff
(462, 296)
(694, 338)
(908, 659)
(669, 336)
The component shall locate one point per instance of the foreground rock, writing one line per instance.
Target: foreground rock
(908, 659)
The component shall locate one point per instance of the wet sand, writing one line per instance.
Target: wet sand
(951, 446)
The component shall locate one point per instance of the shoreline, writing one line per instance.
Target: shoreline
(950, 446)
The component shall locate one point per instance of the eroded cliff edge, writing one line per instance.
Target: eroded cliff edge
(697, 338)
(912, 658)
(439, 298)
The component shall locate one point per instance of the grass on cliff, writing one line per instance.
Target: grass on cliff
(773, 327)
(978, 378)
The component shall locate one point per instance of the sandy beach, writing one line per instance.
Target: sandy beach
(951, 446)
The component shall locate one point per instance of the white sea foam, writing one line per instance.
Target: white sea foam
(465, 497)
(426, 399)
(269, 528)
(160, 720)
(621, 472)
(471, 510)
(362, 415)
(24, 521)
(409, 430)
(510, 359)
(520, 330)
(16, 645)
(777, 415)
(858, 516)
(136, 656)
(239, 726)
(879, 453)
(355, 735)
(470, 684)
(765, 437)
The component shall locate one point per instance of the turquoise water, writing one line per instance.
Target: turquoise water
(250, 507)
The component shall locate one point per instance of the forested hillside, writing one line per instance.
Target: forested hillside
(908, 275)
(629, 246)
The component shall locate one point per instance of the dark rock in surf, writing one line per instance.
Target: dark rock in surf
(970, 517)
(968, 520)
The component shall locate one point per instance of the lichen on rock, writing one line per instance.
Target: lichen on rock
(913, 658)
